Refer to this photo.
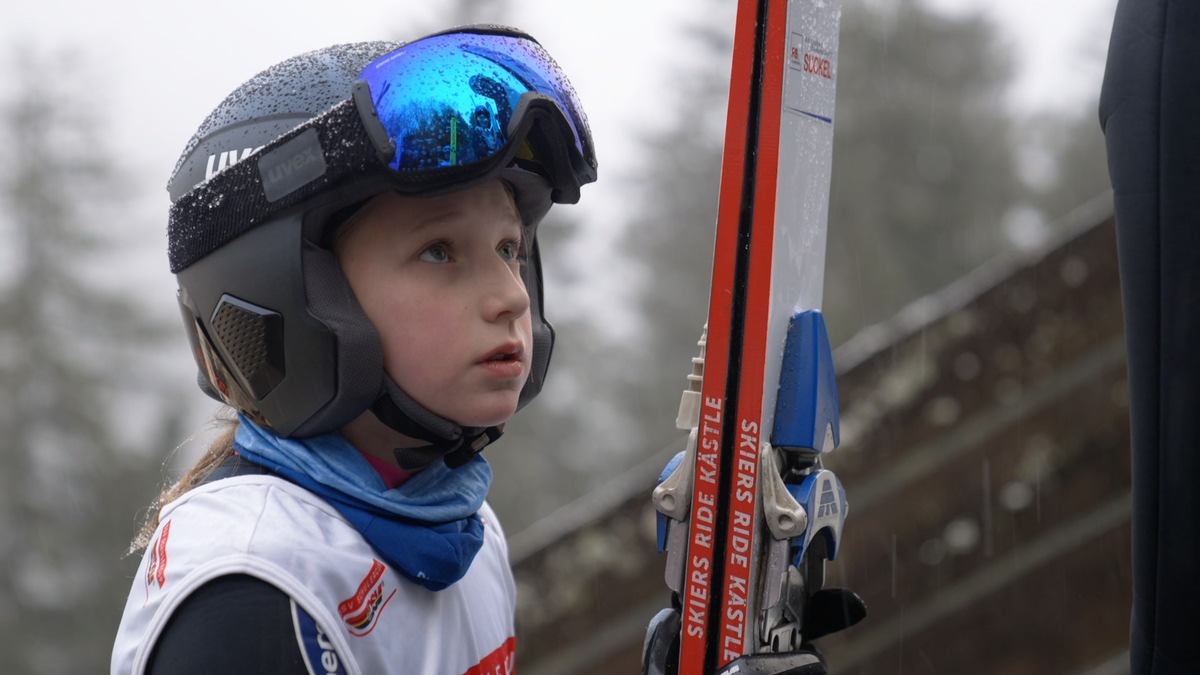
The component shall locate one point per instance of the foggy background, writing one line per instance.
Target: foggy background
(962, 132)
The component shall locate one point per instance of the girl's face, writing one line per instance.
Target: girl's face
(440, 277)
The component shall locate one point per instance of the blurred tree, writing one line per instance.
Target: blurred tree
(671, 237)
(1071, 148)
(925, 161)
(77, 412)
(1064, 160)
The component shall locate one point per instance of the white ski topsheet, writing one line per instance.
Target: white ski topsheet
(805, 165)
(791, 208)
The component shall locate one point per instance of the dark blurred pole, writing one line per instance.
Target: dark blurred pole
(1150, 112)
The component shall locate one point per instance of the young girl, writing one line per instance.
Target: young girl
(354, 236)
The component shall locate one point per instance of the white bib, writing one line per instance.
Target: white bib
(376, 620)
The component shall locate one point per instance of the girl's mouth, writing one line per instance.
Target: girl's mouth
(508, 352)
(505, 361)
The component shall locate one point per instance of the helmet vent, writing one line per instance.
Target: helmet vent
(252, 338)
(241, 333)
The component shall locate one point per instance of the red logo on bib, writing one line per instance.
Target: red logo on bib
(156, 569)
(361, 612)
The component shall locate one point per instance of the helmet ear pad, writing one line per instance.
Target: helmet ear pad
(358, 349)
(329, 356)
(543, 332)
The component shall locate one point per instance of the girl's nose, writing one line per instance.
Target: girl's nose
(505, 293)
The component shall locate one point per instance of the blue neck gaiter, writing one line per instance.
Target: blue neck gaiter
(428, 529)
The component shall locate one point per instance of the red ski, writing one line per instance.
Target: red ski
(746, 547)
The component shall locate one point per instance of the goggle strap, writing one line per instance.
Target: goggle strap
(385, 147)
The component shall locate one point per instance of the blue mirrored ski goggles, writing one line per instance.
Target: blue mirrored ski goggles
(440, 112)
(461, 98)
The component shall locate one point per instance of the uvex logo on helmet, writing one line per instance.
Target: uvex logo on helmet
(282, 170)
(218, 163)
(292, 165)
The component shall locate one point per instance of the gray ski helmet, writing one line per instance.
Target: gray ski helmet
(273, 324)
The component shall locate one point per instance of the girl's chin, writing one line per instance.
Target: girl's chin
(495, 414)
(473, 408)
(487, 420)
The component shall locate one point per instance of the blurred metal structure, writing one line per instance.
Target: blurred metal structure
(985, 452)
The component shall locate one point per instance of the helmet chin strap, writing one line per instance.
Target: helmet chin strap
(446, 440)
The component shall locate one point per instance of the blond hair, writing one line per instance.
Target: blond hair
(220, 449)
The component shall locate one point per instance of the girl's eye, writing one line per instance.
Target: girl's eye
(436, 253)
(511, 251)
